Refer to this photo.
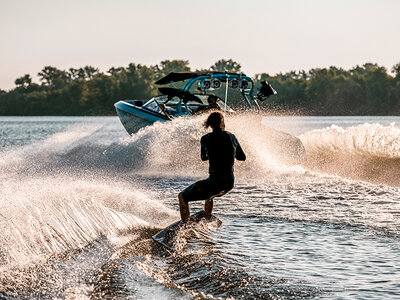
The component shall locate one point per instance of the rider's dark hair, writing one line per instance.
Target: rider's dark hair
(215, 120)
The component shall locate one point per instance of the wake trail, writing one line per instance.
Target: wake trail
(369, 152)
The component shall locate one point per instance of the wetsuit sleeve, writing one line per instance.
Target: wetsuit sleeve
(204, 150)
(239, 151)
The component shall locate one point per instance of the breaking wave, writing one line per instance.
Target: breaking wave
(368, 152)
(46, 216)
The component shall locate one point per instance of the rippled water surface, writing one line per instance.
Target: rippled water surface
(80, 200)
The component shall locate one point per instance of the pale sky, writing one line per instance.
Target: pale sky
(262, 35)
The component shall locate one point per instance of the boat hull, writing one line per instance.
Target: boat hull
(135, 117)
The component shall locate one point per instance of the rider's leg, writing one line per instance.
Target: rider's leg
(184, 209)
(208, 206)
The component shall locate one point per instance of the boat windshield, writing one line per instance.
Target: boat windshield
(173, 106)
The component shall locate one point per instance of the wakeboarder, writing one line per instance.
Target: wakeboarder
(220, 148)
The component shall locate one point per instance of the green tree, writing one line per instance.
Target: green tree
(377, 88)
(53, 77)
(142, 79)
(223, 65)
(115, 71)
(24, 81)
(77, 73)
(86, 72)
(396, 70)
(167, 66)
(395, 93)
(90, 72)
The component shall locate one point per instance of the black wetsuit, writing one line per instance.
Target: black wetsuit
(220, 148)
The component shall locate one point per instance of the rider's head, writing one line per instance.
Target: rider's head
(215, 120)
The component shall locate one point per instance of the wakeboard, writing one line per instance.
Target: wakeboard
(165, 236)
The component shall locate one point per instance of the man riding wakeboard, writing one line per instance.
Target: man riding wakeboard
(221, 148)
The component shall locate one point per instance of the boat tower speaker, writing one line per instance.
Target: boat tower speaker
(215, 83)
(234, 83)
(244, 84)
(205, 84)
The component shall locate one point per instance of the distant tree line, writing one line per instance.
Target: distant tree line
(362, 90)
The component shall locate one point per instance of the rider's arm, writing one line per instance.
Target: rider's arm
(204, 151)
(239, 151)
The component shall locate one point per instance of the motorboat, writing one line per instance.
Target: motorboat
(191, 93)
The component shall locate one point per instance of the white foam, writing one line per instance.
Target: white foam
(46, 216)
(365, 139)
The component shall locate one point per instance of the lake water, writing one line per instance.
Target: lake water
(80, 200)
